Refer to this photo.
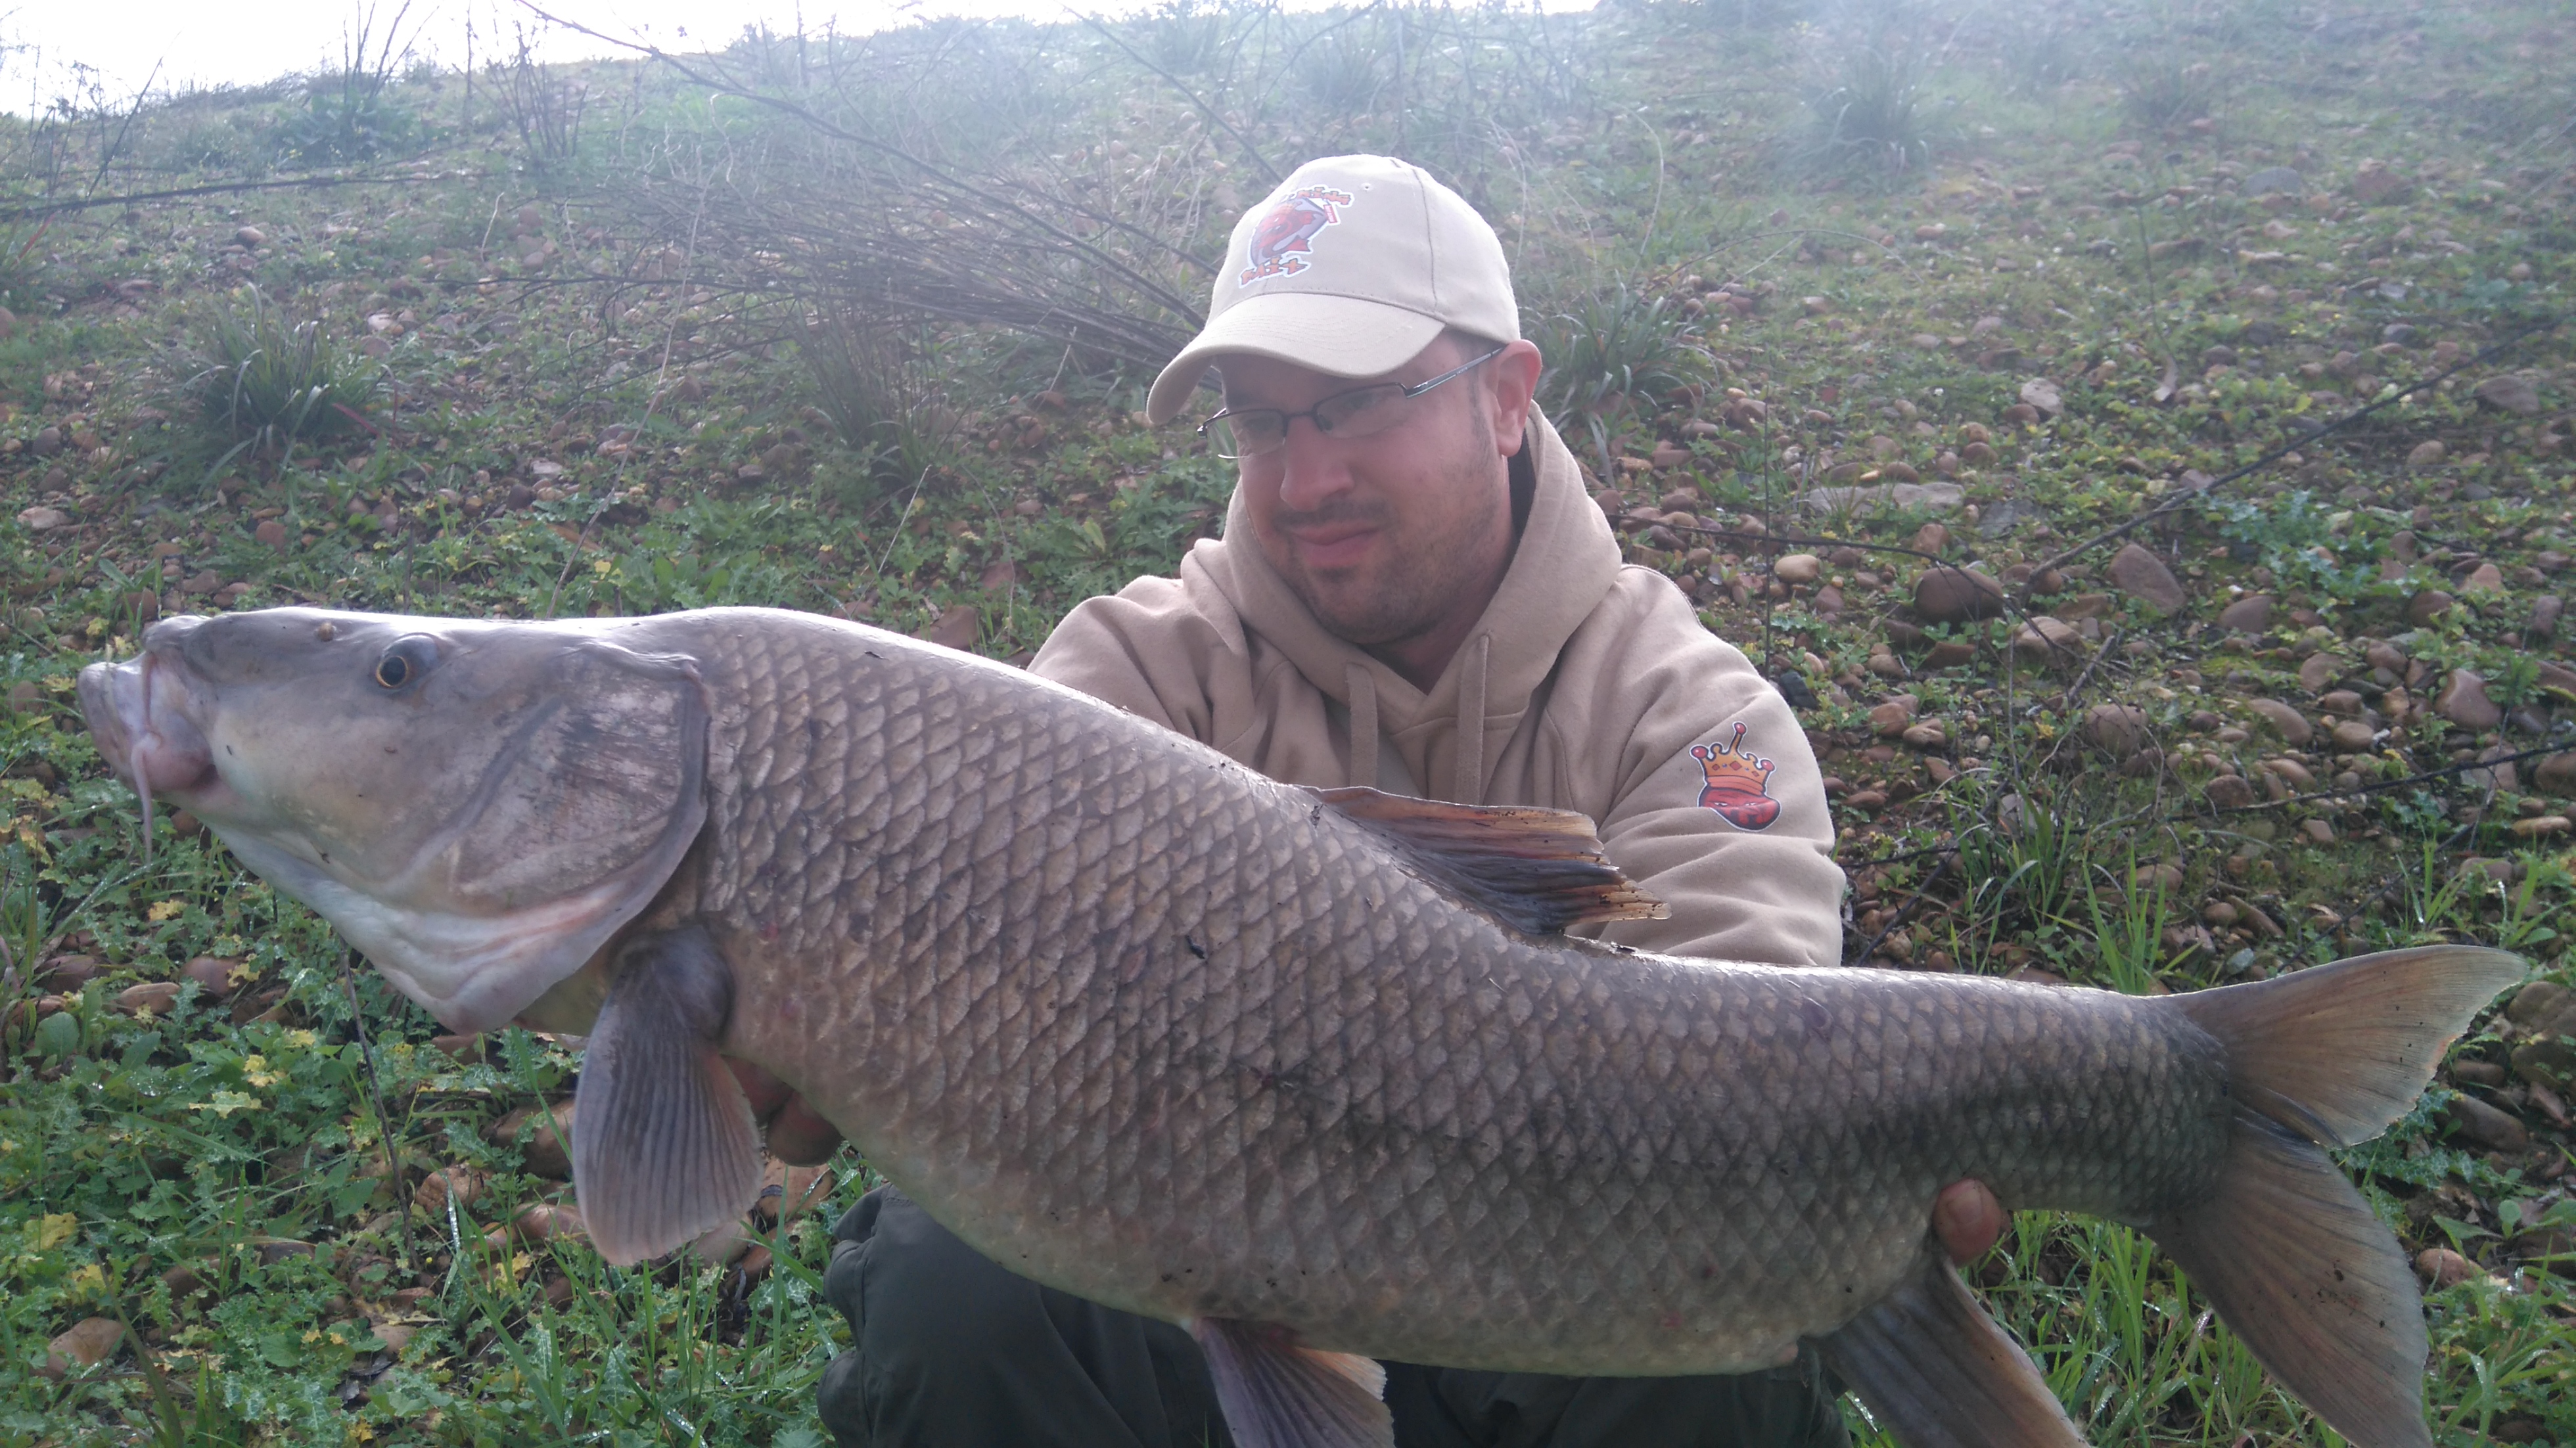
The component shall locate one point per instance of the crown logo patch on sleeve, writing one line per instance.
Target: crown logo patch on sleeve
(1738, 786)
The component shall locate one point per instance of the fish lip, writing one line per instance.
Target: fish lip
(145, 715)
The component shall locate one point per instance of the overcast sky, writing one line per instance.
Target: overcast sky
(201, 43)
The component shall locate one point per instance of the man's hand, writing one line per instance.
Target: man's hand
(796, 1134)
(1968, 1219)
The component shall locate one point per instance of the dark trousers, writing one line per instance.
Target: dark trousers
(951, 1351)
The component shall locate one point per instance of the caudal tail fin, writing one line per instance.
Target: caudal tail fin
(2292, 1256)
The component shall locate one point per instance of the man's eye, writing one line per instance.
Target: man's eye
(1258, 425)
(1356, 407)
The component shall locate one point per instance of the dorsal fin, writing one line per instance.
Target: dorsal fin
(1541, 870)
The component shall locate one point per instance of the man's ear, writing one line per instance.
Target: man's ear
(1514, 382)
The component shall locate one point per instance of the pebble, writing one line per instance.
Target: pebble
(251, 236)
(271, 533)
(2556, 776)
(544, 1138)
(956, 628)
(2441, 1267)
(1892, 718)
(42, 519)
(2464, 702)
(150, 998)
(2276, 181)
(87, 1343)
(2122, 729)
(2427, 606)
(1957, 595)
(2318, 832)
(459, 1183)
(2045, 639)
(2316, 671)
(1949, 654)
(2509, 392)
(2042, 394)
(2352, 736)
(1934, 497)
(2485, 578)
(2545, 613)
(2488, 1126)
(2289, 723)
(1798, 569)
(217, 977)
(2143, 577)
(2426, 454)
(1928, 735)
(2250, 614)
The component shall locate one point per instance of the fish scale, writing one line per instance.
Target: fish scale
(1368, 1111)
(1316, 1074)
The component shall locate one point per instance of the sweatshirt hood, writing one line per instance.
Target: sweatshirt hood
(1564, 562)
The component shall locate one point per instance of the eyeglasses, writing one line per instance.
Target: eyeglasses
(1249, 432)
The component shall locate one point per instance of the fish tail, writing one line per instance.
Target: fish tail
(2295, 1261)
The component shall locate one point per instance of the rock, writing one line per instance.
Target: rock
(2375, 184)
(2381, 654)
(1798, 569)
(1666, 455)
(2509, 392)
(459, 1183)
(1828, 602)
(2143, 577)
(2049, 640)
(2556, 776)
(217, 977)
(2488, 1126)
(1937, 497)
(2318, 832)
(2006, 516)
(2042, 394)
(88, 1342)
(2352, 736)
(1929, 735)
(2250, 614)
(2316, 671)
(2275, 181)
(2426, 455)
(2427, 606)
(2228, 791)
(152, 998)
(2289, 723)
(2122, 729)
(1891, 719)
(2464, 702)
(543, 1136)
(47, 442)
(2441, 1267)
(1957, 595)
(41, 519)
(271, 533)
(250, 236)
(956, 628)
(1949, 654)
(2485, 578)
(2545, 613)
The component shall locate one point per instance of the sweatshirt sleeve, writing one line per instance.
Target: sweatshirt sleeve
(1715, 802)
(1141, 649)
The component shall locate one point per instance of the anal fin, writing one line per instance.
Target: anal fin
(665, 1147)
(1277, 1394)
(1940, 1373)
(1541, 870)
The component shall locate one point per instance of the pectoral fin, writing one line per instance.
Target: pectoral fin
(666, 1147)
(1939, 1373)
(1277, 1394)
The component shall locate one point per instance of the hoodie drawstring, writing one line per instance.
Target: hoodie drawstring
(1363, 691)
(1469, 785)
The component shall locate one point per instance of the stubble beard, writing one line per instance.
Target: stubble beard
(1408, 592)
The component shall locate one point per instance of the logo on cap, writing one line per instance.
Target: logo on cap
(1284, 237)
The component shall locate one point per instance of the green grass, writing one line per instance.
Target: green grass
(626, 422)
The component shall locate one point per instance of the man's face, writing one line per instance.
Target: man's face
(1389, 539)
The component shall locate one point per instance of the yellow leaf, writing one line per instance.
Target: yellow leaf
(165, 910)
(88, 1281)
(54, 1229)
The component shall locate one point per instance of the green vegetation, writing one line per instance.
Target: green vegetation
(861, 325)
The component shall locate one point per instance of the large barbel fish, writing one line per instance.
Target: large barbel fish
(1316, 1075)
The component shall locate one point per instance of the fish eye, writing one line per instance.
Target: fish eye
(405, 662)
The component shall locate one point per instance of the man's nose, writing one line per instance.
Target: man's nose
(1312, 466)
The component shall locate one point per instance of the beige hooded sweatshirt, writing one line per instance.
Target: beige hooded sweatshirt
(1588, 685)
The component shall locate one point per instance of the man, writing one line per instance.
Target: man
(1415, 593)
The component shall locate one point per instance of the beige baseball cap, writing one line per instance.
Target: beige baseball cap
(1351, 267)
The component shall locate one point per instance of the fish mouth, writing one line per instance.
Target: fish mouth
(144, 716)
